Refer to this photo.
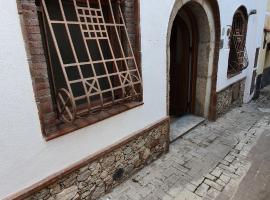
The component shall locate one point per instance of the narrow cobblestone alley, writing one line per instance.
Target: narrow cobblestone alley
(216, 160)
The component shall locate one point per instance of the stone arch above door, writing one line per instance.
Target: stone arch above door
(210, 10)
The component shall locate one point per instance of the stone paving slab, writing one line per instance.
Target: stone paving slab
(180, 126)
(256, 182)
(207, 163)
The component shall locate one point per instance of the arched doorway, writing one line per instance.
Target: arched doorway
(192, 58)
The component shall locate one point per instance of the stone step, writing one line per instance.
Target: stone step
(182, 125)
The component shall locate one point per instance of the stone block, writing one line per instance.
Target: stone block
(216, 172)
(225, 178)
(213, 184)
(67, 194)
(202, 189)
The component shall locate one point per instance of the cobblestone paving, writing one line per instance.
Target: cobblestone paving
(210, 159)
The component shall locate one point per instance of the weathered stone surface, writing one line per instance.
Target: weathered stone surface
(225, 178)
(98, 192)
(231, 97)
(216, 172)
(146, 154)
(70, 180)
(210, 177)
(82, 185)
(83, 176)
(213, 184)
(202, 190)
(45, 193)
(55, 188)
(104, 174)
(83, 169)
(108, 161)
(67, 194)
(86, 194)
(213, 193)
(96, 170)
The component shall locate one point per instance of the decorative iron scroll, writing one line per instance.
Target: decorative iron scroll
(238, 58)
(114, 78)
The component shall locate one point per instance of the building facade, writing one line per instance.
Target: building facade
(253, 40)
(263, 68)
(89, 86)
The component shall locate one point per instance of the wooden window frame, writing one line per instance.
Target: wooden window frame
(51, 126)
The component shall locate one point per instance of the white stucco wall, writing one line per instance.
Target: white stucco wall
(25, 157)
(255, 29)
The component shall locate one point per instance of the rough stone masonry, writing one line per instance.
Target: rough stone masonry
(99, 176)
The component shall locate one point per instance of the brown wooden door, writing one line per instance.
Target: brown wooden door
(180, 70)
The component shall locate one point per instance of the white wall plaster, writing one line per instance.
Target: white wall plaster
(25, 157)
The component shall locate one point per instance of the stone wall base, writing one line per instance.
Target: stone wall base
(230, 97)
(98, 175)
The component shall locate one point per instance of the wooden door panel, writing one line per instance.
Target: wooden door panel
(179, 69)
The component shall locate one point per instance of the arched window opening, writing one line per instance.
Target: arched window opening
(85, 59)
(238, 59)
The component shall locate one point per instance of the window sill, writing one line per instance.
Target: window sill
(60, 128)
(233, 74)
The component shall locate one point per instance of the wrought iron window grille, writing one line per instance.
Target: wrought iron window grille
(238, 57)
(94, 57)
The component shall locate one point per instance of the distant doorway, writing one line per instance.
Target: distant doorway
(183, 57)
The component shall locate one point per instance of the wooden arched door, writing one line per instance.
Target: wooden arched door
(182, 76)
